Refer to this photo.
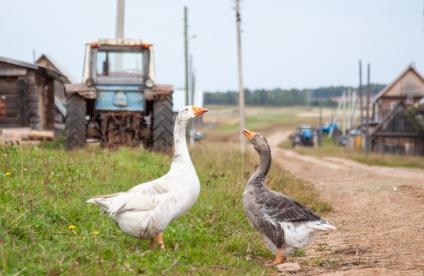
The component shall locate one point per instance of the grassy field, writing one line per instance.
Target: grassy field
(330, 149)
(47, 228)
(226, 121)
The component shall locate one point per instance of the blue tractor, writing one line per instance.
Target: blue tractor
(118, 101)
(329, 128)
(304, 136)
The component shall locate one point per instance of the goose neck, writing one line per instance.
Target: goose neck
(258, 177)
(180, 150)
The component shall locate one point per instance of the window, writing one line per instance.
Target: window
(393, 105)
(120, 64)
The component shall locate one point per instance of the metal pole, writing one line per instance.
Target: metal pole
(240, 77)
(367, 142)
(354, 105)
(193, 93)
(120, 19)
(320, 125)
(119, 29)
(186, 81)
(361, 106)
(344, 113)
(349, 109)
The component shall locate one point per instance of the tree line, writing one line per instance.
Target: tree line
(326, 96)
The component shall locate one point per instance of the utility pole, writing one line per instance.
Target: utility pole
(349, 109)
(120, 19)
(240, 77)
(186, 81)
(192, 95)
(367, 133)
(344, 113)
(354, 105)
(119, 28)
(320, 124)
(361, 106)
(423, 16)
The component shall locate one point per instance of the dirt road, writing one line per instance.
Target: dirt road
(379, 213)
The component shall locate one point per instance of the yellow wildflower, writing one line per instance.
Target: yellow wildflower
(71, 227)
(95, 232)
(8, 173)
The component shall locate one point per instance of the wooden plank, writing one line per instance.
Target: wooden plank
(9, 72)
(2, 107)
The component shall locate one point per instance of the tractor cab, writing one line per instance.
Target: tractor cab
(119, 96)
(119, 70)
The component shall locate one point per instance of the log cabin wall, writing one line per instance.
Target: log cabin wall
(399, 145)
(28, 96)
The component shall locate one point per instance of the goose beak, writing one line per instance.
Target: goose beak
(249, 134)
(199, 110)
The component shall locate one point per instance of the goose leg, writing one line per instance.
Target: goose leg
(279, 257)
(159, 239)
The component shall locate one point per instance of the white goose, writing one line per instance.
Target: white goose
(146, 210)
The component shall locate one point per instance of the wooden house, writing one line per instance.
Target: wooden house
(58, 87)
(393, 131)
(27, 93)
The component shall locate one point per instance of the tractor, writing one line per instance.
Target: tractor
(304, 136)
(118, 101)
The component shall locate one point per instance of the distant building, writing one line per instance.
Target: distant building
(392, 130)
(27, 94)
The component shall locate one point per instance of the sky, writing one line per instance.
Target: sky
(286, 43)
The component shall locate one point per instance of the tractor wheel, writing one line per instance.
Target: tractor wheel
(75, 123)
(162, 125)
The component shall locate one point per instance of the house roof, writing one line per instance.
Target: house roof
(54, 66)
(19, 63)
(40, 69)
(410, 67)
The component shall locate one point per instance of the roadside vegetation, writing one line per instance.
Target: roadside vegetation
(330, 149)
(47, 228)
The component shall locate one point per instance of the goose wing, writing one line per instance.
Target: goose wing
(279, 207)
(143, 197)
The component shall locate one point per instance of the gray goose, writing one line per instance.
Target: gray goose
(285, 223)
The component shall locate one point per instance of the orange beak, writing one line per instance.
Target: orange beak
(199, 110)
(249, 134)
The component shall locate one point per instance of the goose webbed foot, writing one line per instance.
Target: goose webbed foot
(158, 239)
(279, 257)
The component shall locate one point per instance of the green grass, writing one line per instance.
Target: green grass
(263, 118)
(388, 160)
(43, 192)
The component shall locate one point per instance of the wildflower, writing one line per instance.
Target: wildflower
(95, 232)
(8, 173)
(71, 227)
